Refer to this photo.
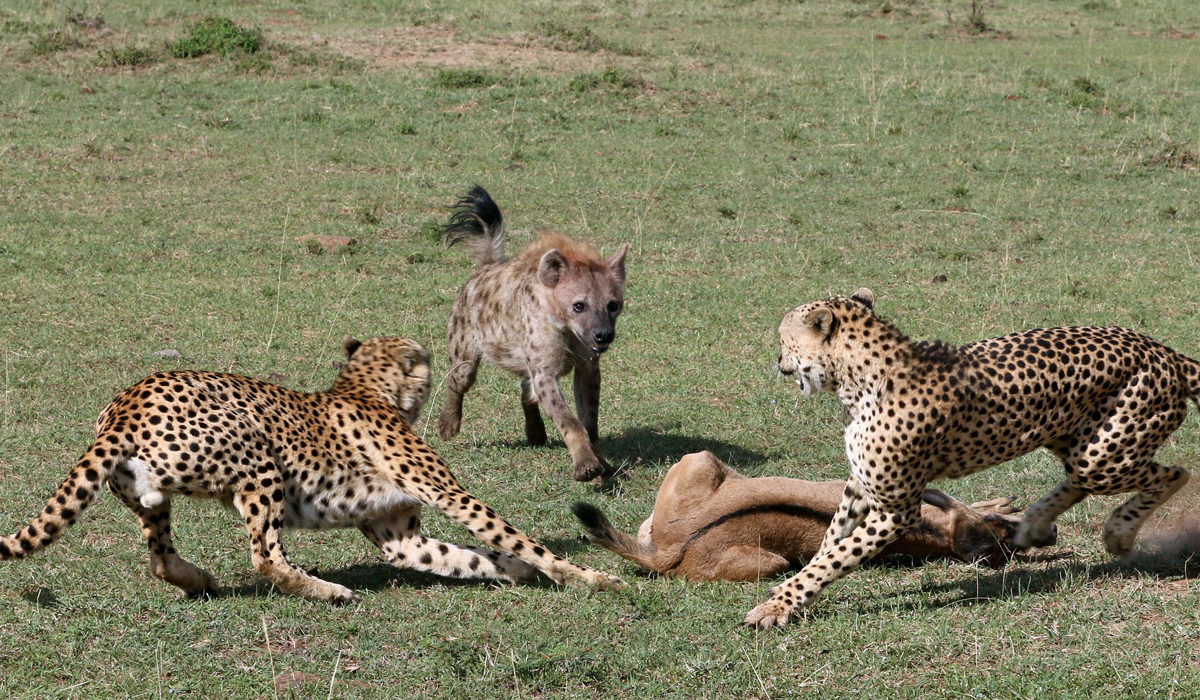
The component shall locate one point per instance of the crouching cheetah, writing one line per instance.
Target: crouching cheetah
(347, 457)
(1101, 399)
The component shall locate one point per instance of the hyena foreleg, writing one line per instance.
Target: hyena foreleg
(588, 465)
(587, 400)
(464, 364)
(535, 429)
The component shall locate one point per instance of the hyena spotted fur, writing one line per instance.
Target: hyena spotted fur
(547, 311)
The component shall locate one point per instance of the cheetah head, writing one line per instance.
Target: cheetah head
(396, 368)
(804, 339)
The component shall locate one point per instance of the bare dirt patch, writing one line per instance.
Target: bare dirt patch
(441, 47)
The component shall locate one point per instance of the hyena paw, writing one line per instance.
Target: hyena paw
(535, 434)
(590, 467)
(448, 426)
(770, 612)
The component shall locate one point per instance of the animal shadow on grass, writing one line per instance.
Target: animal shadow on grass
(1013, 581)
(42, 597)
(656, 445)
(378, 576)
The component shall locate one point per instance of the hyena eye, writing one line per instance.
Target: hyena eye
(579, 306)
(614, 307)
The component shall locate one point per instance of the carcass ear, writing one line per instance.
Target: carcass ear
(822, 321)
(551, 268)
(863, 296)
(616, 264)
(350, 345)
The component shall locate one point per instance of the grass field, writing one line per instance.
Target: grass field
(1040, 155)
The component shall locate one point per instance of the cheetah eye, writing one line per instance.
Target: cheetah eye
(579, 306)
(614, 307)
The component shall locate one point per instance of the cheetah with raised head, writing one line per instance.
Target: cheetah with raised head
(1101, 399)
(347, 457)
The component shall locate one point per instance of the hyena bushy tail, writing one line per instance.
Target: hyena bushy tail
(476, 222)
(602, 534)
(75, 494)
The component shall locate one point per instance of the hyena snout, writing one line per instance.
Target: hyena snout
(604, 336)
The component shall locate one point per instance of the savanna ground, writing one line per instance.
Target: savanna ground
(1024, 164)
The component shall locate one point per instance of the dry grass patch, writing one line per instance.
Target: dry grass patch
(440, 46)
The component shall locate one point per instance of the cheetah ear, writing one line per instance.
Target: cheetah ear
(412, 355)
(863, 296)
(350, 345)
(616, 264)
(821, 321)
(551, 267)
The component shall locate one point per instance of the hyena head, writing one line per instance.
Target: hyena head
(582, 291)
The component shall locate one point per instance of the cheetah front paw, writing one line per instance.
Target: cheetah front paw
(347, 598)
(591, 578)
(336, 595)
(770, 612)
(1030, 536)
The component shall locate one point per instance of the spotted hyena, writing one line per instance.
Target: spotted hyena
(547, 311)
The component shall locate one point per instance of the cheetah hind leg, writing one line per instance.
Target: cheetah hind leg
(1126, 520)
(399, 538)
(165, 562)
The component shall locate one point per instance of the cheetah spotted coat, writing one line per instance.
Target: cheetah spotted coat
(1101, 399)
(347, 457)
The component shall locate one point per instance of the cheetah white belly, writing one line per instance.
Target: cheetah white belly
(333, 509)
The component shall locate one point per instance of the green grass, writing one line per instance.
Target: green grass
(756, 155)
(219, 35)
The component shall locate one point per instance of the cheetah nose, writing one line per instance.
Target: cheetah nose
(604, 337)
(786, 371)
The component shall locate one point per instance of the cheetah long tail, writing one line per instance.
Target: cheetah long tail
(75, 494)
(477, 223)
(602, 534)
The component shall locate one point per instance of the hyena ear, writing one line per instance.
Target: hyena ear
(616, 264)
(551, 268)
(350, 345)
(822, 322)
(863, 296)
